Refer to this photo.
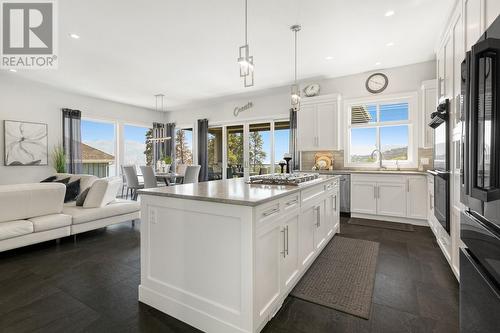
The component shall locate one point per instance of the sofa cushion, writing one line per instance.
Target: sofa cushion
(22, 201)
(85, 180)
(80, 199)
(117, 207)
(13, 229)
(102, 192)
(49, 222)
(72, 190)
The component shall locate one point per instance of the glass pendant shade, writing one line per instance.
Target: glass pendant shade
(295, 97)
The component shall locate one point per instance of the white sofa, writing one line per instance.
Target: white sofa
(33, 213)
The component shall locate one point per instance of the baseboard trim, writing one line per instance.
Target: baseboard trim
(406, 220)
(196, 318)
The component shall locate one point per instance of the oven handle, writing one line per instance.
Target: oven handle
(492, 47)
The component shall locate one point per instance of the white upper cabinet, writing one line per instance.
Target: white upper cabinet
(428, 99)
(317, 123)
(472, 15)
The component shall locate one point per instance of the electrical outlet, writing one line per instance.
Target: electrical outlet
(424, 160)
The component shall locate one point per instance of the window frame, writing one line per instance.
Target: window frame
(409, 97)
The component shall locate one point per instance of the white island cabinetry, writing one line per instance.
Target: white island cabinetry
(228, 266)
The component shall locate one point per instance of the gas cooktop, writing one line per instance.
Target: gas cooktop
(283, 178)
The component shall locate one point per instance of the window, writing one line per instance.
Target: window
(259, 149)
(137, 151)
(384, 126)
(281, 142)
(184, 146)
(98, 148)
(234, 144)
(214, 153)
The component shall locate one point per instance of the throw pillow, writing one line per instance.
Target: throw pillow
(64, 181)
(49, 179)
(102, 192)
(80, 199)
(72, 190)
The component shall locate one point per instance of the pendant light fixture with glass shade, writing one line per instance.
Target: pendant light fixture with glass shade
(161, 132)
(245, 60)
(295, 90)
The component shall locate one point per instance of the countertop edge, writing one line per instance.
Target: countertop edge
(292, 189)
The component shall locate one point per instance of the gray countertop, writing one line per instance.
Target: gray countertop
(232, 191)
(378, 172)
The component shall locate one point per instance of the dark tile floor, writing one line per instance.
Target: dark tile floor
(91, 286)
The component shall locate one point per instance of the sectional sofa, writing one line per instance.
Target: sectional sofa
(33, 213)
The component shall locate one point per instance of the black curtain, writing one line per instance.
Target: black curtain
(159, 148)
(170, 144)
(293, 140)
(72, 139)
(203, 149)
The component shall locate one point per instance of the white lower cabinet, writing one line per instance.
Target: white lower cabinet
(363, 197)
(289, 240)
(391, 199)
(401, 197)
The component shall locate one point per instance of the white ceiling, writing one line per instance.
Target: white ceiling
(131, 50)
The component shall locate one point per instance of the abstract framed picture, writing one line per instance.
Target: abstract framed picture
(25, 143)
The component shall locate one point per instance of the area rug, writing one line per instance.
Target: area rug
(342, 277)
(381, 224)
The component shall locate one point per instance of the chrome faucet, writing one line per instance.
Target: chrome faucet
(379, 159)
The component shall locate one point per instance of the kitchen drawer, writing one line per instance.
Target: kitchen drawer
(378, 178)
(268, 212)
(331, 185)
(290, 203)
(312, 194)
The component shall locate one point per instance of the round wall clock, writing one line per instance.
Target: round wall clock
(376, 83)
(311, 90)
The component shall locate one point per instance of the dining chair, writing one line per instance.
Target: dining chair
(181, 169)
(124, 181)
(192, 173)
(149, 176)
(132, 181)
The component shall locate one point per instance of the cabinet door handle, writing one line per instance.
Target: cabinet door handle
(408, 185)
(431, 202)
(286, 250)
(284, 240)
(271, 211)
(334, 203)
(318, 217)
(375, 192)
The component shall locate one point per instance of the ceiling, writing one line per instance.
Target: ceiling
(187, 50)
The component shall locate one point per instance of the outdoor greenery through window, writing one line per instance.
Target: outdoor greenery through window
(184, 146)
(385, 127)
(136, 146)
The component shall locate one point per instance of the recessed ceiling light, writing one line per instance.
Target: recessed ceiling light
(390, 44)
(378, 63)
(329, 58)
(74, 36)
(13, 70)
(389, 13)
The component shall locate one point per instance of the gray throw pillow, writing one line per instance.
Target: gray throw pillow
(80, 199)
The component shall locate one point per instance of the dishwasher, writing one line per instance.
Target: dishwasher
(345, 192)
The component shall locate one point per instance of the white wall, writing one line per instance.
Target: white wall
(275, 102)
(21, 99)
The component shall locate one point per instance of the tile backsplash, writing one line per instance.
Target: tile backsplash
(307, 159)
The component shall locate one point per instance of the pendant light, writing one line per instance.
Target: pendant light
(245, 60)
(295, 90)
(161, 132)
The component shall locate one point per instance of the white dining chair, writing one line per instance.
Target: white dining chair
(149, 176)
(192, 173)
(132, 181)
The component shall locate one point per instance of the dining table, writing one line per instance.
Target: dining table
(170, 178)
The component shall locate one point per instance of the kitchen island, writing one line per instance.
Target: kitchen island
(223, 255)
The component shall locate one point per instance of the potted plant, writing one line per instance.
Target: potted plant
(59, 159)
(166, 162)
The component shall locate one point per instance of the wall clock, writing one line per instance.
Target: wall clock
(376, 83)
(312, 90)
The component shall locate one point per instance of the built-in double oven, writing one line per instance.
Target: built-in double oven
(480, 186)
(441, 172)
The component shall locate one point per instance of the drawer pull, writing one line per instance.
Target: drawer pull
(292, 202)
(271, 211)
